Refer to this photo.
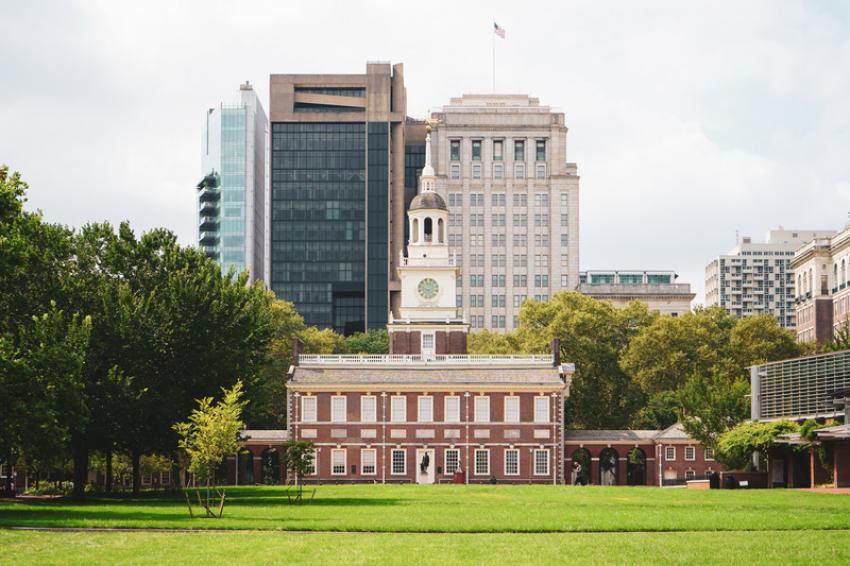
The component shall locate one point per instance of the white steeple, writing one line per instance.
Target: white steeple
(428, 274)
(428, 170)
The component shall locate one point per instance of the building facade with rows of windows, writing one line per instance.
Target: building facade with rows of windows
(500, 163)
(757, 277)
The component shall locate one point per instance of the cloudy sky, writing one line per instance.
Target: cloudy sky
(689, 121)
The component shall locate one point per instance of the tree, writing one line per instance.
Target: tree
(324, 341)
(759, 339)
(660, 412)
(267, 394)
(371, 342)
(41, 387)
(713, 404)
(210, 434)
(298, 461)
(736, 446)
(489, 342)
(593, 335)
(671, 349)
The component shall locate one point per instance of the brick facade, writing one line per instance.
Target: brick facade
(404, 438)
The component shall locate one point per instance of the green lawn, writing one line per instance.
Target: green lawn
(752, 548)
(460, 509)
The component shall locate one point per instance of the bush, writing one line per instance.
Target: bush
(51, 488)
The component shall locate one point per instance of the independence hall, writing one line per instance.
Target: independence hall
(428, 412)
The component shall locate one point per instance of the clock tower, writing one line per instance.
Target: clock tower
(428, 323)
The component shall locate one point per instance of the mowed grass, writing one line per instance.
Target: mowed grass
(458, 509)
(752, 548)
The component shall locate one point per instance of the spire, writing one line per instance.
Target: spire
(428, 170)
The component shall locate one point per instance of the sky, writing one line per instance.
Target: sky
(690, 122)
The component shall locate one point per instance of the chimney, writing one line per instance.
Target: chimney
(297, 350)
(556, 352)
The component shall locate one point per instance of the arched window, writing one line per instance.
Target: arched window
(441, 238)
(429, 230)
(843, 272)
(414, 231)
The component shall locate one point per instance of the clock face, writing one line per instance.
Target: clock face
(428, 288)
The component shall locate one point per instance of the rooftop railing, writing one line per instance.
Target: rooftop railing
(404, 359)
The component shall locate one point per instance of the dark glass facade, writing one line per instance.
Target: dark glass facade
(414, 161)
(318, 225)
(378, 224)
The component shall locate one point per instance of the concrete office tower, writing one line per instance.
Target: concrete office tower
(501, 164)
(756, 278)
(232, 194)
(657, 289)
(338, 166)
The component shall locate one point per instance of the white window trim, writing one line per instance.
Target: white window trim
(419, 401)
(315, 416)
(705, 454)
(548, 462)
(344, 461)
(479, 418)
(667, 450)
(545, 401)
(456, 399)
(374, 408)
(393, 418)
(446, 460)
(334, 417)
(392, 459)
(693, 452)
(515, 451)
(515, 399)
(314, 464)
(475, 462)
(374, 452)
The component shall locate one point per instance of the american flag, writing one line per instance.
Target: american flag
(498, 31)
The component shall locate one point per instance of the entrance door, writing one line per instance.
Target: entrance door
(425, 465)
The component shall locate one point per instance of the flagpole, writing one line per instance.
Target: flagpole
(494, 59)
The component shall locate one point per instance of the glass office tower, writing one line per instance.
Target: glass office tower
(337, 198)
(232, 193)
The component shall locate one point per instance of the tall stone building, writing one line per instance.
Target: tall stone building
(757, 278)
(232, 193)
(501, 165)
(823, 286)
(339, 166)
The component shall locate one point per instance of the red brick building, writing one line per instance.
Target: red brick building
(637, 457)
(409, 419)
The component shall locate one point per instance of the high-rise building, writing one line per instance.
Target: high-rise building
(756, 278)
(823, 286)
(232, 193)
(657, 289)
(339, 164)
(513, 198)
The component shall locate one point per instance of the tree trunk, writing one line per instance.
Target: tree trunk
(9, 491)
(81, 464)
(108, 487)
(137, 472)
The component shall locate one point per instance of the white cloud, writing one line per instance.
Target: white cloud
(688, 121)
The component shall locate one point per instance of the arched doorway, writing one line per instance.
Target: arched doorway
(608, 467)
(580, 476)
(636, 467)
(271, 467)
(245, 464)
